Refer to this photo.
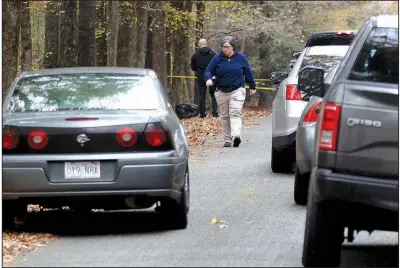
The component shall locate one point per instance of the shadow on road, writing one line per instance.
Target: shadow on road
(69, 223)
(370, 256)
(94, 223)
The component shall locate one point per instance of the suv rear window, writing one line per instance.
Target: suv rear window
(330, 39)
(324, 57)
(84, 91)
(378, 60)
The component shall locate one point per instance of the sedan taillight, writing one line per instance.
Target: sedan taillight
(37, 139)
(126, 137)
(10, 139)
(155, 135)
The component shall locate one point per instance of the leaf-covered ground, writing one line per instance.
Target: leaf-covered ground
(198, 130)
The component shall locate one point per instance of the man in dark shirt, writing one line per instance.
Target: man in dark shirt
(199, 62)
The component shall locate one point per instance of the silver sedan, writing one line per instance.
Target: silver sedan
(104, 138)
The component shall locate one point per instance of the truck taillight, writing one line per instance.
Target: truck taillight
(344, 33)
(311, 116)
(292, 93)
(329, 127)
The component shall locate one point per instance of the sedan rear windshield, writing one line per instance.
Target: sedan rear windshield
(62, 92)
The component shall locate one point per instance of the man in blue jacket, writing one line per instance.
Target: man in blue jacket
(232, 71)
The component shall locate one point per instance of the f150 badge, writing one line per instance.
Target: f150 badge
(351, 122)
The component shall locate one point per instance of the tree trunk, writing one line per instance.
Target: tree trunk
(158, 45)
(26, 40)
(101, 32)
(187, 49)
(149, 54)
(37, 22)
(10, 44)
(112, 32)
(68, 33)
(169, 46)
(52, 35)
(142, 13)
(177, 58)
(200, 9)
(86, 33)
(127, 40)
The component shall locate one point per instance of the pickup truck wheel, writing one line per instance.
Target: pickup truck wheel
(323, 236)
(281, 162)
(176, 213)
(301, 182)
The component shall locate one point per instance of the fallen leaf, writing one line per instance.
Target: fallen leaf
(16, 243)
(215, 221)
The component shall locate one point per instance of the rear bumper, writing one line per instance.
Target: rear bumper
(375, 192)
(155, 174)
(284, 142)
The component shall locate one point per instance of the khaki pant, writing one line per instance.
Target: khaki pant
(231, 105)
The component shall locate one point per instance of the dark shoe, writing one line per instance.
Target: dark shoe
(215, 115)
(236, 141)
(203, 115)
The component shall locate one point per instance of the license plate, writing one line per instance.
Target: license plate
(82, 170)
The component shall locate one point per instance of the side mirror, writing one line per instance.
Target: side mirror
(296, 54)
(311, 81)
(186, 110)
(278, 77)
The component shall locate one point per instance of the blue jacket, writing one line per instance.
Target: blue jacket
(230, 73)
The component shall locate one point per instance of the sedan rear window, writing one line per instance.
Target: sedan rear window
(378, 60)
(90, 91)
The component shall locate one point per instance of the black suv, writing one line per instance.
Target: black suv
(354, 182)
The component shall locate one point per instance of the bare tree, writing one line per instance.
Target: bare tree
(143, 7)
(127, 35)
(112, 32)
(26, 40)
(10, 43)
(51, 51)
(86, 33)
(68, 33)
(101, 37)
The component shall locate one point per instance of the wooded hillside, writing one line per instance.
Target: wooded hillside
(162, 35)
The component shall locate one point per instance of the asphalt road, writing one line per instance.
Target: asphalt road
(264, 226)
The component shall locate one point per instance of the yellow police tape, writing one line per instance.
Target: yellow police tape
(258, 88)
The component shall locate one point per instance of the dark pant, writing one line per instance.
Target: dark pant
(202, 98)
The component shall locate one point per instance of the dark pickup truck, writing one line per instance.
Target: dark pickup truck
(354, 182)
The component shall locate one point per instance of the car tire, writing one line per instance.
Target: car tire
(301, 182)
(176, 213)
(281, 161)
(323, 236)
